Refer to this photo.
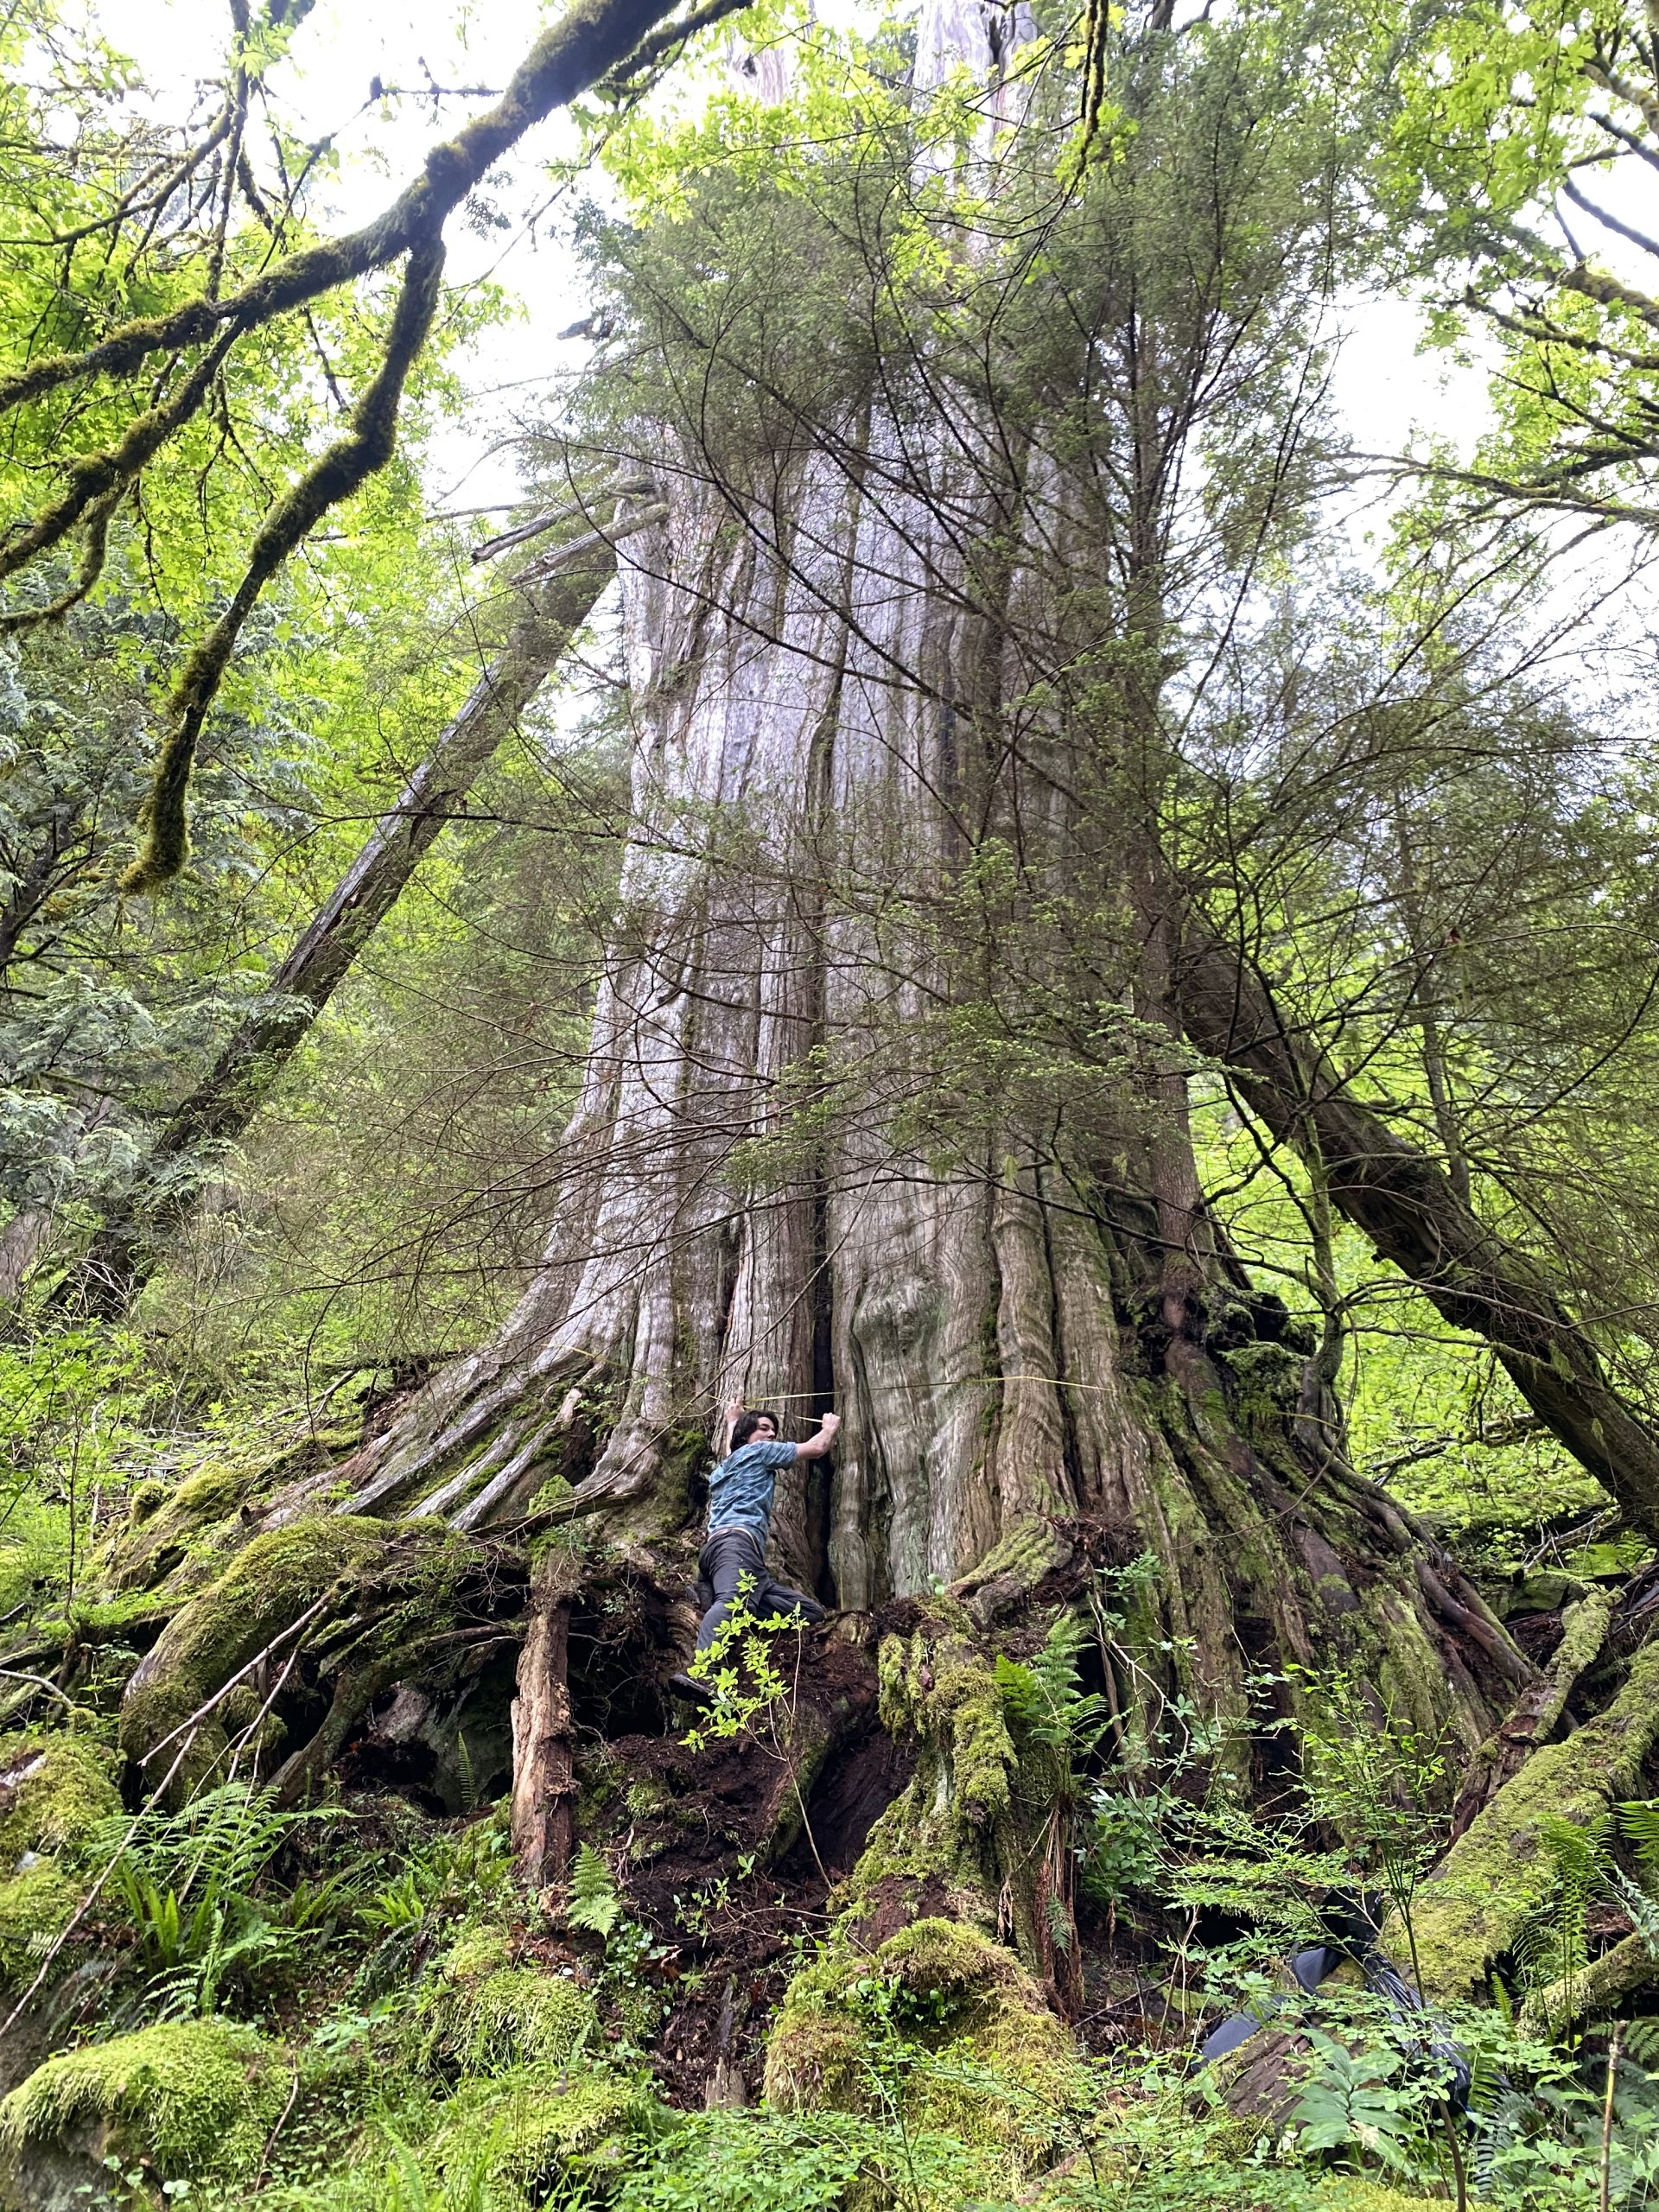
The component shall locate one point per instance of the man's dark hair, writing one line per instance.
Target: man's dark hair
(746, 1424)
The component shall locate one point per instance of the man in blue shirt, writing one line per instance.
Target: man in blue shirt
(739, 1520)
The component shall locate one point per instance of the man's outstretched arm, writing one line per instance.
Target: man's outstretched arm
(816, 1446)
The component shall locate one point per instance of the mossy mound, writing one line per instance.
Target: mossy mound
(35, 1906)
(1353, 2193)
(538, 2135)
(54, 1791)
(487, 2015)
(953, 2011)
(195, 2098)
(264, 1590)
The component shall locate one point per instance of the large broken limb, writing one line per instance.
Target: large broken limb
(129, 1246)
(1392, 1191)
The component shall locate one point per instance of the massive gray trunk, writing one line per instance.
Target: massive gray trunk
(1025, 1312)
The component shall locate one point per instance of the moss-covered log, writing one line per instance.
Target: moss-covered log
(307, 1626)
(1498, 1870)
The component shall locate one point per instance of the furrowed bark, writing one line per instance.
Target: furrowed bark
(129, 1247)
(1409, 1209)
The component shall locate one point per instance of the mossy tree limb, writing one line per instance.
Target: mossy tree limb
(1599, 1988)
(587, 41)
(346, 466)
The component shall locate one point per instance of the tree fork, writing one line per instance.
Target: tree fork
(1392, 1191)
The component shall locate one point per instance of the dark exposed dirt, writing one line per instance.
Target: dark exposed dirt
(718, 1863)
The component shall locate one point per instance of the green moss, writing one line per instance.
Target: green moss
(1031, 1547)
(481, 1951)
(536, 2136)
(488, 2016)
(946, 2014)
(1354, 2193)
(54, 1790)
(148, 1497)
(36, 1905)
(197, 2098)
(1498, 1870)
(1265, 1379)
(942, 1688)
(265, 1589)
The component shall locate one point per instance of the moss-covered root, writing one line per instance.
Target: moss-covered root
(1539, 1707)
(197, 2099)
(1033, 1547)
(54, 1792)
(942, 2015)
(1498, 1870)
(973, 1829)
(265, 1591)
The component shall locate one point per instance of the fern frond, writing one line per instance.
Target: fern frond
(592, 1902)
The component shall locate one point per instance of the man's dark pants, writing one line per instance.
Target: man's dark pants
(728, 1555)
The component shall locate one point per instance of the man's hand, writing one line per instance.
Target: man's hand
(816, 1446)
(729, 1413)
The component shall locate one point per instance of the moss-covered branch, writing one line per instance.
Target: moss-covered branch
(348, 463)
(587, 42)
(96, 477)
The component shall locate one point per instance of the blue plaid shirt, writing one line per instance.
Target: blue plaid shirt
(742, 1486)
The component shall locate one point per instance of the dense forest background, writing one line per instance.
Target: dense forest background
(963, 847)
